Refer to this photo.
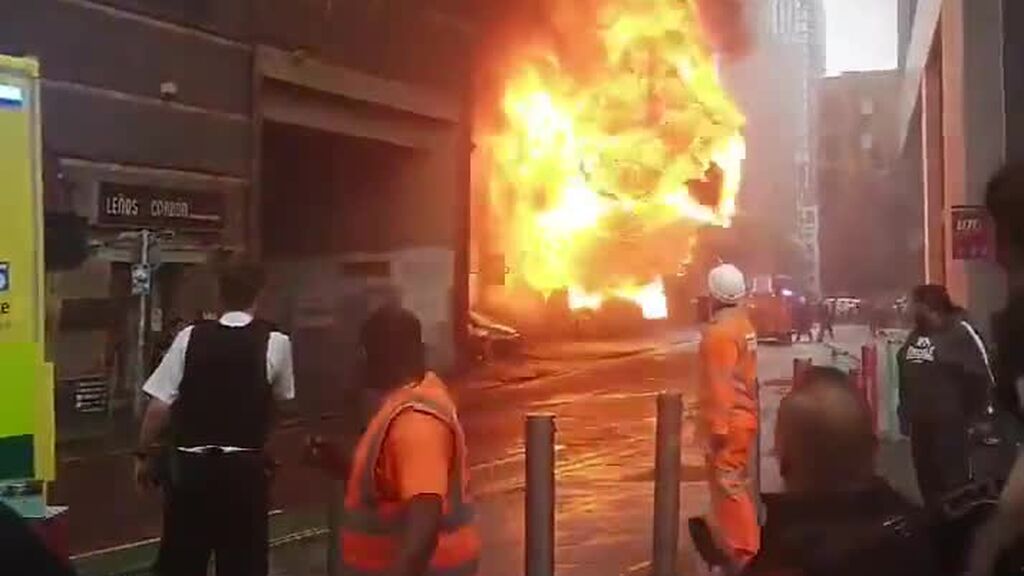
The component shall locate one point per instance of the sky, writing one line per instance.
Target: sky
(861, 35)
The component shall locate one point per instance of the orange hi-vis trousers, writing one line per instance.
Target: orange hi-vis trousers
(733, 509)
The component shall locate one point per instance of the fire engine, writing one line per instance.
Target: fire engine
(771, 307)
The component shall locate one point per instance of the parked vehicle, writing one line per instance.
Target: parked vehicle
(771, 308)
(489, 338)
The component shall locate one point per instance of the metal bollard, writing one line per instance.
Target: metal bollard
(540, 495)
(667, 472)
(335, 510)
(800, 366)
(869, 374)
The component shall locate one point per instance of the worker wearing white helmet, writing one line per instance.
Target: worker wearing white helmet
(728, 410)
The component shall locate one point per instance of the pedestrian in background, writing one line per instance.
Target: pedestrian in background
(803, 316)
(826, 321)
(215, 389)
(728, 417)
(408, 510)
(944, 382)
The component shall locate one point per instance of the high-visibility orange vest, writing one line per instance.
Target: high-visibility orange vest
(371, 528)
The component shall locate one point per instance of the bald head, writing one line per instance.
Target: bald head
(824, 435)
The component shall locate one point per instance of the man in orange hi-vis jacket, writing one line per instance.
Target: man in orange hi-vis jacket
(408, 510)
(729, 412)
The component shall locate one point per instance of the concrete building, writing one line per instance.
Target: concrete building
(962, 80)
(777, 88)
(867, 247)
(330, 140)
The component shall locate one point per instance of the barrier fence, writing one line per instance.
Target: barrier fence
(876, 374)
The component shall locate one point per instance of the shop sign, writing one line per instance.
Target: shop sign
(971, 233)
(127, 206)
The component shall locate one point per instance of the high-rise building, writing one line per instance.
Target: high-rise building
(777, 87)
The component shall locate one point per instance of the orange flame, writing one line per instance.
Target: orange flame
(611, 151)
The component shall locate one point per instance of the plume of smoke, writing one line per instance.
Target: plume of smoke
(725, 26)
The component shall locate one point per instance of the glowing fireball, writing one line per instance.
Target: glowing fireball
(615, 141)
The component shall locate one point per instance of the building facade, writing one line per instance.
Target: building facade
(777, 88)
(869, 238)
(961, 100)
(328, 140)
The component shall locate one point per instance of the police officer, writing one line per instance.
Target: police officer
(215, 389)
(944, 389)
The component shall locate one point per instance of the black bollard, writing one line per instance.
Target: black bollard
(540, 495)
(667, 471)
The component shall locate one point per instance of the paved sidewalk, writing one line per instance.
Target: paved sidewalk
(546, 359)
(894, 461)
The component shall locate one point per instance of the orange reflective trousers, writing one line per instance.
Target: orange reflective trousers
(729, 413)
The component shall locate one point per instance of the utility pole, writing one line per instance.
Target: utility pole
(142, 285)
(148, 243)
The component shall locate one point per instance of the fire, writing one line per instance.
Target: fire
(616, 141)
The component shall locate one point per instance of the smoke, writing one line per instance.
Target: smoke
(725, 27)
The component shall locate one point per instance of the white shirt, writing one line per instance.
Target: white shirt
(165, 381)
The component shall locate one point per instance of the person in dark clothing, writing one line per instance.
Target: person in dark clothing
(944, 389)
(826, 321)
(1005, 203)
(803, 320)
(23, 552)
(215, 389)
(836, 517)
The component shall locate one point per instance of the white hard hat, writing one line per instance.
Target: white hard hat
(726, 284)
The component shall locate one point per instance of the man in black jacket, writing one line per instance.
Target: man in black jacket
(944, 389)
(836, 516)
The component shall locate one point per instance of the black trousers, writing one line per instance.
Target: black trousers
(941, 453)
(215, 505)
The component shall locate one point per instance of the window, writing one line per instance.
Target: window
(867, 141)
(867, 106)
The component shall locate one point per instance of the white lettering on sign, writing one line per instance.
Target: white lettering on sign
(119, 205)
(968, 225)
(169, 209)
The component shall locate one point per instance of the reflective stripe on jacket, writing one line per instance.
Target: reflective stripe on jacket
(372, 528)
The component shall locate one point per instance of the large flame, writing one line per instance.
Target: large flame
(616, 141)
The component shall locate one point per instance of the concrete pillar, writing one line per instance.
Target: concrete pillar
(932, 145)
(973, 136)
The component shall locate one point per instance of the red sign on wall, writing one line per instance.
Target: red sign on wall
(972, 233)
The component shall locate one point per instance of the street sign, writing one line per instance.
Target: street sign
(142, 279)
(128, 206)
(972, 233)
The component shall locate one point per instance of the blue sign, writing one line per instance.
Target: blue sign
(11, 96)
(5, 276)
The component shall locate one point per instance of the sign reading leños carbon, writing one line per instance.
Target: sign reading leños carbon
(129, 206)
